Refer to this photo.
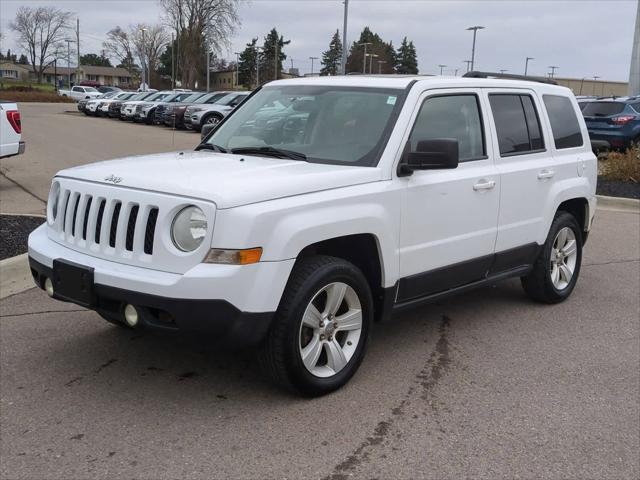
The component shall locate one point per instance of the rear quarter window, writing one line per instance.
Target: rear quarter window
(564, 122)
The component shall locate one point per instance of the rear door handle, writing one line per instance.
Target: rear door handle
(484, 185)
(545, 174)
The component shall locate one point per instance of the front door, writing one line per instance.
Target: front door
(449, 217)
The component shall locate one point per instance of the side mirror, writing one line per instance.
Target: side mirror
(434, 154)
(206, 130)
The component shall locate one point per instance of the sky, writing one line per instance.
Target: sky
(582, 38)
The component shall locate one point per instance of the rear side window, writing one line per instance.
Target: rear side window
(564, 122)
(602, 109)
(517, 124)
(451, 116)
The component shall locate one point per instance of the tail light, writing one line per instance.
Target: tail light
(623, 119)
(14, 119)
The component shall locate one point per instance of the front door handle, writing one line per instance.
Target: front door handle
(484, 185)
(546, 174)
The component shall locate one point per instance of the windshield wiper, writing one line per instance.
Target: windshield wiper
(211, 146)
(270, 151)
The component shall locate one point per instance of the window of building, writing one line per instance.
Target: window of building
(517, 124)
(451, 116)
(564, 123)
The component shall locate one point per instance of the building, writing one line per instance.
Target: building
(597, 87)
(112, 76)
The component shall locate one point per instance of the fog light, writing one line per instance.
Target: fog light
(131, 315)
(48, 286)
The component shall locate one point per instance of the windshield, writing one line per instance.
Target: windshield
(602, 109)
(157, 96)
(108, 95)
(227, 99)
(191, 98)
(210, 97)
(90, 89)
(327, 124)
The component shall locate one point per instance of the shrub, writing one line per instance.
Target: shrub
(622, 166)
(33, 96)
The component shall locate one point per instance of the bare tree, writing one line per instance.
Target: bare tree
(200, 26)
(40, 30)
(119, 45)
(149, 42)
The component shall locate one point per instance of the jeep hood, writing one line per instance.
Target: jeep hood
(227, 180)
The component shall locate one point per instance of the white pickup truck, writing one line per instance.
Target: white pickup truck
(10, 130)
(80, 93)
(297, 228)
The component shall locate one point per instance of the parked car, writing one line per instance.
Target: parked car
(174, 114)
(106, 89)
(91, 107)
(116, 105)
(82, 105)
(78, 93)
(614, 123)
(391, 193)
(128, 109)
(104, 105)
(159, 110)
(11, 142)
(198, 115)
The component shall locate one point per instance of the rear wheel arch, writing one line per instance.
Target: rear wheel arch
(579, 209)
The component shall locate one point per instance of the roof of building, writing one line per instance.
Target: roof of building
(86, 69)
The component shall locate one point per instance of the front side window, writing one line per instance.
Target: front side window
(451, 116)
(517, 124)
(321, 124)
(564, 122)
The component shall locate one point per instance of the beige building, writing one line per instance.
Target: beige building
(112, 76)
(589, 86)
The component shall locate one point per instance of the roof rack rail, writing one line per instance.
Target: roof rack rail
(509, 76)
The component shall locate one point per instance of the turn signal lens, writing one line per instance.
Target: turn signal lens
(234, 257)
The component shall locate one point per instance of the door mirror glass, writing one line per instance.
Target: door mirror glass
(432, 154)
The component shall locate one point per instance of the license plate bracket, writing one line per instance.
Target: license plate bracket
(73, 282)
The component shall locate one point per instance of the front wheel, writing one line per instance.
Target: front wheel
(321, 328)
(557, 268)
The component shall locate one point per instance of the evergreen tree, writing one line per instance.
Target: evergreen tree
(23, 60)
(383, 52)
(247, 65)
(332, 58)
(268, 54)
(95, 60)
(406, 58)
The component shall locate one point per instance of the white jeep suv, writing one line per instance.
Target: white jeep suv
(362, 197)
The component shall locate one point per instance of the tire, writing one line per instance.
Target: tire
(212, 118)
(547, 282)
(336, 353)
(150, 117)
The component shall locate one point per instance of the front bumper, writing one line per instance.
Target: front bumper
(234, 303)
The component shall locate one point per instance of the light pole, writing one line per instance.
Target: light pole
(343, 61)
(69, 60)
(208, 68)
(257, 49)
(595, 79)
(144, 60)
(380, 62)
(237, 54)
(526, 65)
(312, 60)
(468, 62)
(371, 57)
(473, 48)
(441, 67)
(364, 59)
(553, 71)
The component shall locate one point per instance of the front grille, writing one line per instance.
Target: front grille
(100, 223)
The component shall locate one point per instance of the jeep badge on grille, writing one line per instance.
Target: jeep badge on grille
(113, 179)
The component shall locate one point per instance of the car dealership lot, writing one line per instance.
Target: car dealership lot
(487, 384)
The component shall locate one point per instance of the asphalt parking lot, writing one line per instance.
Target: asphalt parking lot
(485, 385)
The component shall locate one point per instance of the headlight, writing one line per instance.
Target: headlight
(54, 200)
(189, 228)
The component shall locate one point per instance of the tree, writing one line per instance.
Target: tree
(268, 56)
(40, 30)
(201, 26)
(148, 42)
(406, 58)
(383, 52)
(119, 45)
(23, 60)
(332, 58)
(95, 60)
(247, 65)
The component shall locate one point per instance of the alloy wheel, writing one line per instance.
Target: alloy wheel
(563, 258)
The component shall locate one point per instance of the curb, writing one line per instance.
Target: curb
(618, 203)
(15, 275)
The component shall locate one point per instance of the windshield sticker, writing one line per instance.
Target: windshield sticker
(391, 100)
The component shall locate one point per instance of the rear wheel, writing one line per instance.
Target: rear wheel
(557, 268)
(212, 119)
(321, 328)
